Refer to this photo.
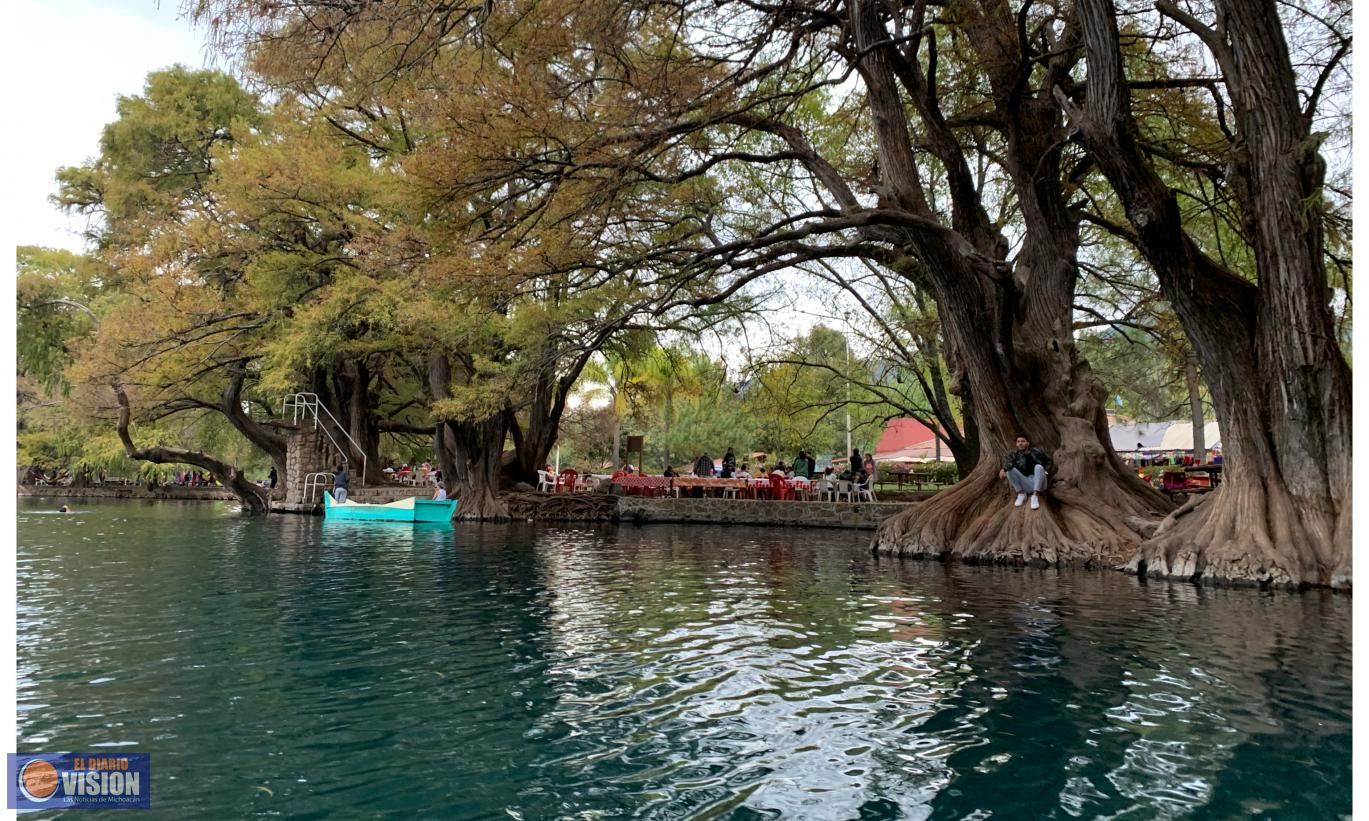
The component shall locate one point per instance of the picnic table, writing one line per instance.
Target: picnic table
(753, 488)
(1192, 479)
(798, 488)
(916, 477)
(644, 485)
(1212, 471)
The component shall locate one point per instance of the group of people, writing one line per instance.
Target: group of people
(859, 469)
(342, 480)
(405, 470)
(194, 478)
(50, 477)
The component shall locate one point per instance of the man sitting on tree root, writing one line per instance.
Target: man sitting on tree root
(1027, 470)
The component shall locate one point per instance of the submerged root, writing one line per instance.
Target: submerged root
(484, 507)
(1249, 534)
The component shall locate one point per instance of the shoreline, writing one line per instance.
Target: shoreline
(168, 494)
(546, 507)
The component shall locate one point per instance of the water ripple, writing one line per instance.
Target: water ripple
(291, 667)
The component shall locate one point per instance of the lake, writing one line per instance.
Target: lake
(286, 667)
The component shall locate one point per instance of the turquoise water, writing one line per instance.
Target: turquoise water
(283, 667)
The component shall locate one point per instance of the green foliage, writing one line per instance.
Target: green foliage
(799, 400)
(156, 158)
(56, 290)
(687, 405)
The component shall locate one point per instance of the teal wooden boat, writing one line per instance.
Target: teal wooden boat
(404, 510)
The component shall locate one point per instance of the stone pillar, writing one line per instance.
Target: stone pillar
(307, 451)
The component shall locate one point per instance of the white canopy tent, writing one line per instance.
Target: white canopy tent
(1161, 436)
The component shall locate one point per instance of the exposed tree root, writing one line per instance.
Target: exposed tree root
(576, 507)
(1250, 533)
(975, 521)
(479, 503)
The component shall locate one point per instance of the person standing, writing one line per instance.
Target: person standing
(340, 482)
(1027, 469)
(703, 466)
(729, 464)
(271, 478)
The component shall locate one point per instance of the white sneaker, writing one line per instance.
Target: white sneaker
(1035, 502)
(1021, 497)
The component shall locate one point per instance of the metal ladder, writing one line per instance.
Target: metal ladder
(314, 482)
(306, 405)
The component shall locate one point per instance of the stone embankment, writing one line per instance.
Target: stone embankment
(549, 507)
(865, 516)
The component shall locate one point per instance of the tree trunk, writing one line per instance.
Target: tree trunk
(536, 434)
(265, 439)
(1278, 381)
(617, 439)
(1195, 408)
(1010, 325)
(1028, 378)
(345, 391)
(252, 496)
(961, 438)
(446, 459)
(470, 453)
(479, 466)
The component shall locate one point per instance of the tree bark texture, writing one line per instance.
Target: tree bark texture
(264, 438)
(470, 452)
(1008, 324)
(1279, 384)
(346, 390)
(252, 496)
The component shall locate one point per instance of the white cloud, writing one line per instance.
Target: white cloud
(69, 61)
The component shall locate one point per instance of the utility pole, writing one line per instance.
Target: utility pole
(847, 340)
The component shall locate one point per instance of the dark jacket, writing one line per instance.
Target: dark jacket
(340, 479)
(729, 466)
(703, 466)
(1026, 461)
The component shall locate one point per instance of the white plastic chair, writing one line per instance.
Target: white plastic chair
(545, 482)
(844, 489)
(866, 492)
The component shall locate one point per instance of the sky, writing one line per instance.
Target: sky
(77, 57)
(73, 58)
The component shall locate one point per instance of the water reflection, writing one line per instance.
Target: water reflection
(666, 672)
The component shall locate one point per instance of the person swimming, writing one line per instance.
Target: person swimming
(64, 509)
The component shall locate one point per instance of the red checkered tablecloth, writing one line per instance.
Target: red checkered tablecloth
(626, 482)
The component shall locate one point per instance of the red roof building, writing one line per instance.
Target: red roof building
(907, 440)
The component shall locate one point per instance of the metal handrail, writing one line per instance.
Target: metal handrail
(313, 482)
(306, 402)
